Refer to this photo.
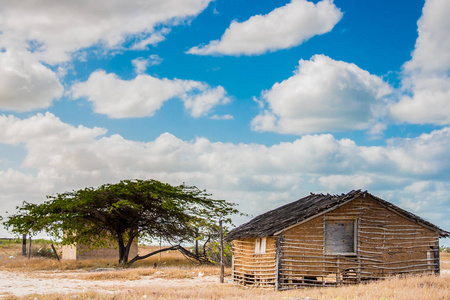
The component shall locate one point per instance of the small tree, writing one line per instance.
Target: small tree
(120, 213)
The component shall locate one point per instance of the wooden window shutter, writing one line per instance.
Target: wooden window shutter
(340, 237)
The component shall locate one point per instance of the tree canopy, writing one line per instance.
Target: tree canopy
(122, 212)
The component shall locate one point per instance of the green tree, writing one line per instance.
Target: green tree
(122, 212)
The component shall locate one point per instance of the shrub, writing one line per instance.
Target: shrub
(42, 250)
(213, 253)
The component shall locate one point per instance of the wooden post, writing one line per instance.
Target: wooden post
(338, 273)
(221, 253)
(196, 243)
(160, 247)
(56, 253)
(232, 266)
(29, 246)
(277, 262)
(24, 245)
(436, 261)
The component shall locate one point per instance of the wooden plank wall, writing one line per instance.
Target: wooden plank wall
(254, 269)
(387, 244)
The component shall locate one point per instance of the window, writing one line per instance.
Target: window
(260, 245)
(340, 237)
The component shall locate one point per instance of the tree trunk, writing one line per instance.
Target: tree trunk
(196, 246)
(24, 245)
(122, 257)
(123, 254)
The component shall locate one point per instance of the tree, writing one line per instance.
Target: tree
(122, 212)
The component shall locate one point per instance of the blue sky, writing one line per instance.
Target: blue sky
(258, 102)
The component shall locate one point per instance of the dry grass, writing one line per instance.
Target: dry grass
(12, 260)
(172, 265)
(445, 261)
(425, 287)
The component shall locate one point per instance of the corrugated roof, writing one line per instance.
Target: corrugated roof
(293, 213)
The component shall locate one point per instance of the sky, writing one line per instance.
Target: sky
(258, 102)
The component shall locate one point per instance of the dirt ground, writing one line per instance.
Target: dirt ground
(20, 284)
(18, 278)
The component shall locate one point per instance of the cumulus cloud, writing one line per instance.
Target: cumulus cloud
(426, 80)
(35, 34)
(323, 95)
(25, 83)
(55, 29)
(144, 95)
(62, 157)
(284, 27)
(201, 104)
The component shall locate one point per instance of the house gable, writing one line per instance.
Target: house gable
(275, 221)
(394, 213)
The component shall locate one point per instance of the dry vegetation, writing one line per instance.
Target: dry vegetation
(177, 278)
(11, 259)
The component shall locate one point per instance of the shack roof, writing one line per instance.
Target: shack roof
(276, 220)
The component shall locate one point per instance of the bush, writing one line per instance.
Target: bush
(213, 253)
(42, 250)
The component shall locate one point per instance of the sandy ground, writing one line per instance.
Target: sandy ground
(20, 284)
(44, 282)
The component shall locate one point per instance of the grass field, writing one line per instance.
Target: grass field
(176, 278)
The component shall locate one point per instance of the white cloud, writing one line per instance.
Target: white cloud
(323, 95)
(284, 27)
(431, 54)
(153, 40)
(43, 129)
(58, 28)
(426, 76)
(223, 117)
(425, 155)
(154, 60)
(345, 182)
(200, 104)
(144, 95)
(35, 33)
(141, 64)
(25, 83)
(61, 157)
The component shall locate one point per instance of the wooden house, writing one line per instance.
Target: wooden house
(332, 240)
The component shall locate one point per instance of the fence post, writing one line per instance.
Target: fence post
(24, 245)
(56, 253)
(221, 253)
(29, 246)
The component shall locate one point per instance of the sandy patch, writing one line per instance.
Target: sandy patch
(20, 284)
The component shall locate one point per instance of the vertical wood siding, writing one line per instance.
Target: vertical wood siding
(387, 244)
(254, 269)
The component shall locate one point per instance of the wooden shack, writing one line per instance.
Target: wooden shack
(332, 240)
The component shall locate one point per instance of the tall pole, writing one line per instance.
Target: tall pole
(24, 245)
(221, 252)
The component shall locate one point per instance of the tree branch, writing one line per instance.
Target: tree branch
(137, 257)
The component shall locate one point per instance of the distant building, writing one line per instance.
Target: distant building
(333, 239)
(82, 252)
